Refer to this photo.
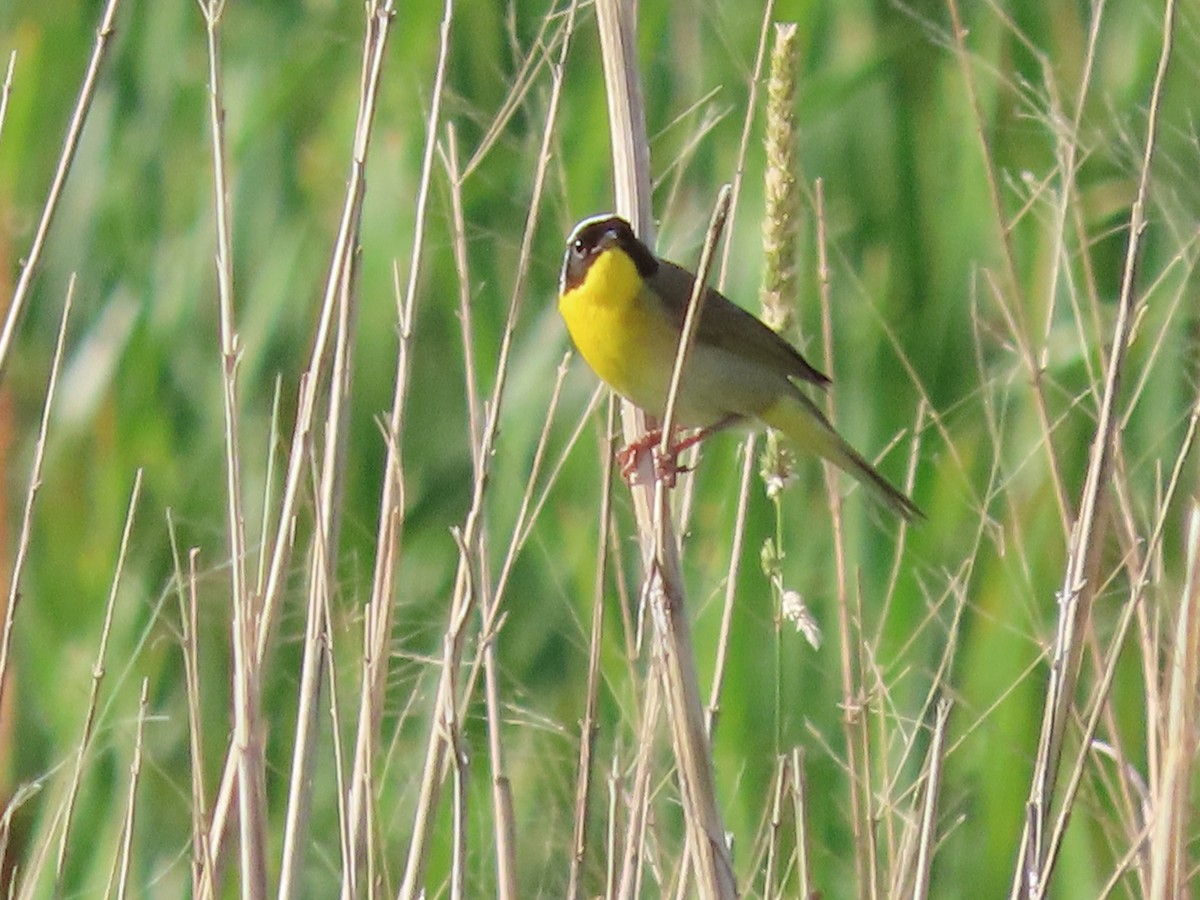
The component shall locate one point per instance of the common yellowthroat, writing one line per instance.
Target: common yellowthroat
(624, 308)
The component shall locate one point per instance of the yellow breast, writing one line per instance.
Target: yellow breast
(621, 332)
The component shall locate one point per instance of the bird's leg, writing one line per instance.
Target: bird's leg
(627, 456)
(666, 465)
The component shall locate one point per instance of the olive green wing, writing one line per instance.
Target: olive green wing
(725, 325)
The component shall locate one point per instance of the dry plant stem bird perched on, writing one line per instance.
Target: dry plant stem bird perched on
(625, 309)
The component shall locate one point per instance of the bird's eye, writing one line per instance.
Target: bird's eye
(578, 247)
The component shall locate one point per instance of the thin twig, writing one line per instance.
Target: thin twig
(98, 671)
(87, 90)
(631, 175)
(135, 771)
(588, 728)
(35, 482)
(933, 779)
(1038, 849)
(247, 742)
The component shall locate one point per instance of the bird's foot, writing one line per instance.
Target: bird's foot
(666, 465)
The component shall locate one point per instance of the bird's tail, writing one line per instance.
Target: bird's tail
(799, 419)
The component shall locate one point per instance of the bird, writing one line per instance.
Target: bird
(624, 308)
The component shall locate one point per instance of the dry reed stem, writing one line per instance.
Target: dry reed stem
(247, 705)
(933, 780)
(638, 804)
(1172, 796)
(504, 826)
(458, 851)
(731, 579)
(775, 827)
(31, 493)
(470, 586)
(800, 816)
(458, 243)
(588, 727)
(260, 577)
(317, 641)
(87, 89)
(1039, 850)
(378, 21)
(203, 874)
(689, 482)
(125, 856)
(1004, 232)
(22, 795)
(854, 724)
(627, 126)
(6, 89)
(98, 672)
(748, 447)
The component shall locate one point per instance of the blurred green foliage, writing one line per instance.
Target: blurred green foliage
(915, 247)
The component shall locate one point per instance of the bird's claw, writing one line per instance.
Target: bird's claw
(666, 465)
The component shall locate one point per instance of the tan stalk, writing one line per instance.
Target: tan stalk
(689, 485)
(379, 17)
(775, 827)
(491, 600)
(612, 843)
(98, 672)
(713, 712)
(31, 493)
(87, 91)
(468, 587)
(800, 806)
(125, 857)
(248, 741)
(1038, 848)
(6, 89)
(458, 865)
(589, 727)
(638, 803)
(1003, 226)
(933, 780)
(1173, 797)
(627, 126)
(854, 715)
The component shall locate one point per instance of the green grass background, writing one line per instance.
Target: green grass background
(885, 122)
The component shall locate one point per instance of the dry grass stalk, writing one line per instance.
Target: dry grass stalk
(378, 21)
(87, 91)
(714, 874)
(6, 89)
(98, 672)
(31, 493)
(589, 727)
(854, 718)
(247, 729)
(1169, 838)
(800, 813)
(775, 826)
(471, 588)
(1015, 313)
(203, 874)
(737, 544)
(125, 856)
(1039, 846)
(933, 780)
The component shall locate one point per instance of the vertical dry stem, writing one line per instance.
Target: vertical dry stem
(35, 481)
(1080, 578)
(98, 670)
(714, 873)
(16, 307)
(247, 736)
